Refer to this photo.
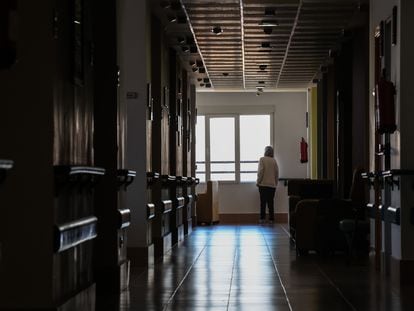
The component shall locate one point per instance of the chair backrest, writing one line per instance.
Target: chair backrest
(311, 188)
(357, 193)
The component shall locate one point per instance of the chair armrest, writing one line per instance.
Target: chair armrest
(293, 200)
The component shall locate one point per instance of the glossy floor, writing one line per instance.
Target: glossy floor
(255, 268)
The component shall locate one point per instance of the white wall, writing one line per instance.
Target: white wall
(289, 113)
(132, 53)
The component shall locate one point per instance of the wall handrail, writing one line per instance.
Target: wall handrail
(71, 234)
(125, 178)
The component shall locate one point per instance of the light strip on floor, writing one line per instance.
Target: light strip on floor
(166, 306)
(277, 272)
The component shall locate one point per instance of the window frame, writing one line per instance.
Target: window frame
(236, 116)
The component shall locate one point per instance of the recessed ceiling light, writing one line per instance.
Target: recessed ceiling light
(185, 49)
(192, 63)
(201, 84)
(265, 44)
(226, 74)
(206, 80)
(172, 18)
(217, 30)
(201, 70)
(269, 23)
(262, 67)
(199, 79)
(261, 82)
(195, 69)
(208, 85)
(199, 63)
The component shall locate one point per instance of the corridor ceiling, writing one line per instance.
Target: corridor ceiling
(264, 44)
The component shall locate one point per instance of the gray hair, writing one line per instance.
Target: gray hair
(269, 151)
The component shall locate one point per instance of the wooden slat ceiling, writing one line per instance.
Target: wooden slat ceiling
(243, 56)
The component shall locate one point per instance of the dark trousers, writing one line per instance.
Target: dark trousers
(267, 195)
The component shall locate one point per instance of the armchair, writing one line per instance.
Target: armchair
(316, 221)
(301, 189)
(208, 204)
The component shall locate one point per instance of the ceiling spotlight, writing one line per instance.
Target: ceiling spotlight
(201, 70)
(333, 53)
(261, 82)
(206, 80)
(181, 40)
(199, 79)
(185, 49)
(172, 18)
(262, 67)
(201, 84)
(208, 85)
(267, 30)
(194, 69)
(266, 45)
(199, 63)
(226, 74)
(217, 30)
(192, 63)
(269, 23)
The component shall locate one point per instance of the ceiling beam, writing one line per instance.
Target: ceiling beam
(290, 40)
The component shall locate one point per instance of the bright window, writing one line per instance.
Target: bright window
(228, 148)
(254, 136)
(222, 149)
(201, 148)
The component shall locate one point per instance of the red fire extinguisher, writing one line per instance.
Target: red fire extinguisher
(303, 151)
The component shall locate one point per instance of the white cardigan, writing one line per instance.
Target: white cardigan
(268, 172)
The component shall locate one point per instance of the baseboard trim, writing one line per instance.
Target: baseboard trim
(250, 218)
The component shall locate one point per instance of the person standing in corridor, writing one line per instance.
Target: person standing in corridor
(267, 179)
